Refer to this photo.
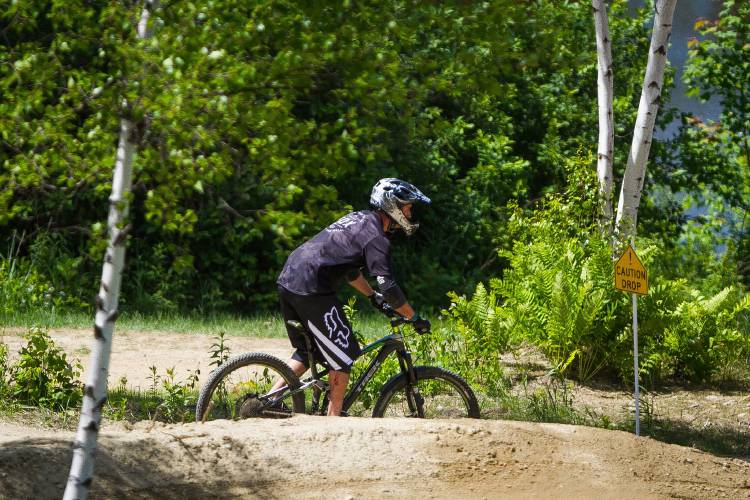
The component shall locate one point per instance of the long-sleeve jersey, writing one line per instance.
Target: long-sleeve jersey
(355, 241)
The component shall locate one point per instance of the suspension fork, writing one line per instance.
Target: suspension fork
(413, 398)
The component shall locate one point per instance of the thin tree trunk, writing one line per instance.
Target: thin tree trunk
(606, 117)
(95, 391)
(635, 171)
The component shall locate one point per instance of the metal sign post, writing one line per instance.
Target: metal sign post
(631, 276)
(635, 366)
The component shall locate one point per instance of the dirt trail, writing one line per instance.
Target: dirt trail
(351, 457)
(134, 352)
(318, 457)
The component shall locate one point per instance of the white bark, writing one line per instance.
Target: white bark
(95, 391)
(606, 118)
(635, 171)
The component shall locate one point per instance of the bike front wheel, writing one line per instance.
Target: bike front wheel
(242, 387)
(437, 393)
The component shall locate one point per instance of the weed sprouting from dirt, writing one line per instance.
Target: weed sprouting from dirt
(219, 351)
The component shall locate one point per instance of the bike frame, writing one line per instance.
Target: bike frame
(388, 345)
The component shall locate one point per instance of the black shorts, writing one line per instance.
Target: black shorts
(331, 335)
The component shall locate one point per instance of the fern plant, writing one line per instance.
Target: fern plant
(479, 333)
(558, 295)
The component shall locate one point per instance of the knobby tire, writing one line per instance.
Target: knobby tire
(397, 385)
(241, 361)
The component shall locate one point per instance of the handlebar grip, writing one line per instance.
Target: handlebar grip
(397, 321)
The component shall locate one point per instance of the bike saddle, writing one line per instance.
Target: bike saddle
(296, 325)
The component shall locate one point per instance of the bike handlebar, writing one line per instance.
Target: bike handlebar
(398, 321)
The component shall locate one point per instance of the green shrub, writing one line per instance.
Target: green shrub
(24, 288)
(179, 397)
(558, 294)
(471, 343)
(701, 336)
(43, 376)
(3, 371)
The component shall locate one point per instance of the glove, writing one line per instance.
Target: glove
(421, 325)
(378, 302)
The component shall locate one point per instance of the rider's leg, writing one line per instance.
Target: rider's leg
(297, 367)
(337, 381)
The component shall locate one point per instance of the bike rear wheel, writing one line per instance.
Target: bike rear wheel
(440, 394)
(241, 388)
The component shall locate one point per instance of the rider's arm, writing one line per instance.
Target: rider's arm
(406, 311)
(360, 284)
(378, 260)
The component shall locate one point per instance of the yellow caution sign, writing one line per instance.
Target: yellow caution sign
(630, 275)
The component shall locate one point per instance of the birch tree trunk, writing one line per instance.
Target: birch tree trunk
(635, 171)
(95, 390)
(606, 118)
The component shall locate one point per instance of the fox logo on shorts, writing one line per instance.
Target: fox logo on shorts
(337, 330)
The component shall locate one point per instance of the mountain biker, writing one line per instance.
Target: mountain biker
(310, 275)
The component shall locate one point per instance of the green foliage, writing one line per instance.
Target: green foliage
(179, 400)
(478, 333)
(4, 371)
(701, 336)
(259, 123)
(43, 375)
(712, 161)
(24, 288)
(219, 350)
(558, 294)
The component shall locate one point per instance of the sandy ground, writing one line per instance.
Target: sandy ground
(134, 352)
(318, 457)
(315, 457)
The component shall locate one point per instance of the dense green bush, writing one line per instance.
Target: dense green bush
(22, 288)
(471, 342)
(261, 122)
(43, 376)
(36, 282)
(558, 294)
(698, 337)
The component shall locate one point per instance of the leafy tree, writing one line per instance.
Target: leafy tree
(716, 155)
(264, 121)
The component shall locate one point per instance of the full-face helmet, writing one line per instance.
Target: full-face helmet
(390, 194)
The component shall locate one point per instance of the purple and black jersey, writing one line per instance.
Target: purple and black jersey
(354, 241)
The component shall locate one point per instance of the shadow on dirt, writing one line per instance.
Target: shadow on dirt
(715, 439)
(38, 468)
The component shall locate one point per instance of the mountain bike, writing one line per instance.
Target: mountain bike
(242, 386)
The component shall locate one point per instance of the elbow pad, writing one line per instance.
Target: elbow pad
(394, 296)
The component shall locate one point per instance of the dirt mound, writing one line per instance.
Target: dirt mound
(319, 457)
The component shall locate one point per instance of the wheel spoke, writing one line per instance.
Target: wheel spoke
(244, 388)
(434, 397)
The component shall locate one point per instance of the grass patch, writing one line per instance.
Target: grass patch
(553, 403)
(259, 326)
(266, 325)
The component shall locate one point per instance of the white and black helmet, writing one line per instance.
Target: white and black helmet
(390, 194)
